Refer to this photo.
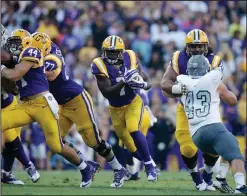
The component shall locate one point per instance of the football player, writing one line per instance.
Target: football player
(13, 146)
(148, 120)
(196, 43)
(118, 74)
(38, 104)
(201, 105)
(76, 106)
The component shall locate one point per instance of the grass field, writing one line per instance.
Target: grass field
(67, 183)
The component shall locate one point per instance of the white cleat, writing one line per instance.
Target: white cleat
(210, 188)
(9, 178)
(117, 185)
(202, 186)
(118, 180)
(85, 184)
(32, 172)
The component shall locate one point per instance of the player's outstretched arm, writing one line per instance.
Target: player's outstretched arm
(227, 96)
(168, 80)
(107, 89)
(18, 72)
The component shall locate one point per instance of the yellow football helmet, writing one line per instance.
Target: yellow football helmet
(18, 40)
(196, 42)
(41, 41)
(112, 49)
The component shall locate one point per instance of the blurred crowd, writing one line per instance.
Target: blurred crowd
(154, 30)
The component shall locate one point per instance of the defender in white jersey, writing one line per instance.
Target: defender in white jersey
(201, 104)
(202, 101)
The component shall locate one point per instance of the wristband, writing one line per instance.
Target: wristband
(2, 66)
(176, 89)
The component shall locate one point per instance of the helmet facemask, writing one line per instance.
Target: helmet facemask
(14, 45)
(112, 56)
(197, 49)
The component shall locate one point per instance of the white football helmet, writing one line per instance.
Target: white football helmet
(4, 35)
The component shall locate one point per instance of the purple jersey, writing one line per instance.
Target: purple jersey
(6, 99)
(34, 81)
(115, 74)
(179, 61)
(63, 88)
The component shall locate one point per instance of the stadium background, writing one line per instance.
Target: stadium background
(154, 30)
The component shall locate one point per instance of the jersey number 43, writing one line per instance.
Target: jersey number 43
(202, 97)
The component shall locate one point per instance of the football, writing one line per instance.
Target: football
(136, 78)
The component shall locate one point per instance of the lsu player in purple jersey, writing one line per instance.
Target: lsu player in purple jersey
(118, 74)
(37, 103)
(196, 43)
(76, 106)
(13, 147)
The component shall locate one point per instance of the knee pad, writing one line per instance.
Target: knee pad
(190, 162)
(103, 148)
(209, 160)
(14, 145)
(188, 150)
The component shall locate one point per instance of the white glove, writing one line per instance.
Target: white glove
(129, 74)
(137, 83)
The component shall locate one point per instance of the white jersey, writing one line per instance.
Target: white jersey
(201, 104)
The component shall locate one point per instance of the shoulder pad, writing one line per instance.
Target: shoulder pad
(130, 59)
(216, 61)
(174, 61)
(31, 54)
(98, 67)
(52, 62)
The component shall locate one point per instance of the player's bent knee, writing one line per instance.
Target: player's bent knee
(130, 145)
(9, 135)
(209, 159)
(89, 137)
(128, 142)
(55, 147)
(188, 150)
(132, 130)
(18, 131)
